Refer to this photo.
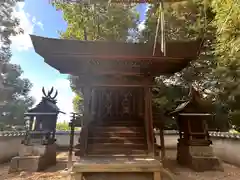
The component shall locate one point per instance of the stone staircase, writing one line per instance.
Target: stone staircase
(117, 136)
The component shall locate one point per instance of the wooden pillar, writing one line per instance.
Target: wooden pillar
(71, 141)
(148, 120)
(99, 101)
(189, 130)
(86, 119)
(86, 103)
(162, 143)
(205, 128)
(151, 120)
(140, 102)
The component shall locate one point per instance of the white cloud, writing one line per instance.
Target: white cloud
(64, 98)
(141, 25)
(27, 23)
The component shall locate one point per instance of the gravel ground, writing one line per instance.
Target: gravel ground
(57, 172)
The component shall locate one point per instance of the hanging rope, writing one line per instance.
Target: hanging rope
(109, 3)
(160, 23)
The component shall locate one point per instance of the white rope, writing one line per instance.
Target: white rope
(160, 20)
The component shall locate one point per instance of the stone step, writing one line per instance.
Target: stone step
(117, 134)
(130, 146)
(117, 140)
(119, 129)
(122, 123)
(116, 151)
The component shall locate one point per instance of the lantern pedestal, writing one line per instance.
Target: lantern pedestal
(34, 158)
(199, 158)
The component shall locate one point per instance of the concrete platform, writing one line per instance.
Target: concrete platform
(29, 163)
(34, 158)
(116, 168)
(198, 158)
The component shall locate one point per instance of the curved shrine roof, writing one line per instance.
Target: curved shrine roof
(195, 104)
(45, 106)
(100, 57)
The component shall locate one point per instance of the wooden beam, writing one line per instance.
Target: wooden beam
(48, 48)
(114, 85)
(113, 81)
(95, 164)
(78, 67)
(195, 114)
(120, 57)
(41, 113)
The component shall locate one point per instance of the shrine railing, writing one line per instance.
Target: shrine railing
(223, 135)
(12, 133)
(226, 145)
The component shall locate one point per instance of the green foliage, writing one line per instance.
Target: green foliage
(99, 21)
(64, 126)
(19, 100)
(215, 72)
(227, 23)
(10, 25)
(185, 20)
(78, 103)
(96, 22)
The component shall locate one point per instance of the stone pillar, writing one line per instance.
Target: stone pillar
(199, 158)
(34, 158)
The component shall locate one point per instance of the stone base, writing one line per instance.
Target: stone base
(198, 158)
(34, 158)
(116, 169)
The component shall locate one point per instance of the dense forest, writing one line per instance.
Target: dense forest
(215, 73)
(13, 109)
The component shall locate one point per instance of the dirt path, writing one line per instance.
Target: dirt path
(57, 172)
(230, 173)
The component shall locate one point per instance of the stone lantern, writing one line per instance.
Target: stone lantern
(38, 149)
(194, 145)
(42, 121)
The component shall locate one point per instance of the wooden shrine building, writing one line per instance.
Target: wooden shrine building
(116, 80)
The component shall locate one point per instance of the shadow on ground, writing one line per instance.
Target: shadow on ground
(59, 172)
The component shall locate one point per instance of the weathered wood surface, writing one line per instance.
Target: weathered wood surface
(117, 50)
(117, 165)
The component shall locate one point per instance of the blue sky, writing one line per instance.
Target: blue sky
(40, 18)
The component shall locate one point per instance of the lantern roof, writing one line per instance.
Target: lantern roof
(195, 104)
(46, 106)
